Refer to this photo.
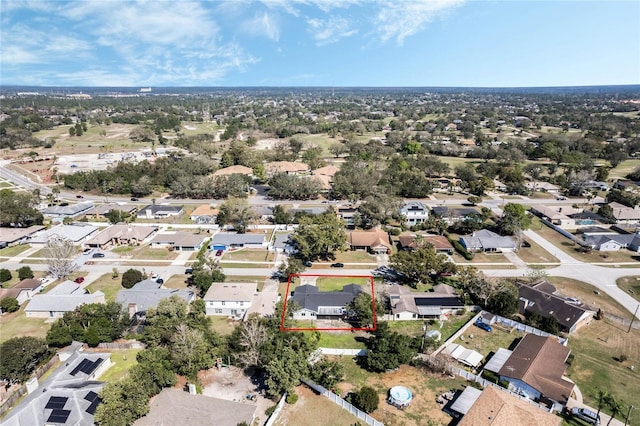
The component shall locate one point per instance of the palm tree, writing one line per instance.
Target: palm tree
(602, 397)
(616, 407)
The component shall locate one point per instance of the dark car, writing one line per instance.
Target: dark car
(79, 280)
(98, 255)
(79, 196)
(337, 265)
(307, 264)
(134, 199)
(159, 280)
(188, 271)
(482, 325)
(219, 252)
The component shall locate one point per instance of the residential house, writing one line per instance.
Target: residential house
(626, 185)
(541, 186)
(603, 239)
(175, 406)
(488, 242)
(147, 294)
(234, 170)
(101, 210)
(264, 213)
(12, 236)
(536, 370)
(204, 214)
(71, 210)
(408, 305)
(315, 304)
(179, 241)
(624, 214)
(224, 241)
(75, 232)
(325, 175)
(414, 213)
(68, 396)
(295, 168)
(229, 299)
(558, 215)
(282, 243)
(373, 240)
(159, 211)
(439, 242)
(499, 186)
(453, 215)
(121, 234)
(64, 297)
(348, 214)
(493, 407)
(540, 299)
(23, 290)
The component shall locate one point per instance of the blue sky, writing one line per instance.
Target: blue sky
(479, 43)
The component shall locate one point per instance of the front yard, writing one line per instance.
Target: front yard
(17, 324)
(249, 255)
(631, 285)
(108, 285)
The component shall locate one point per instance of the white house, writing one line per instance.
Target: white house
(229, 299)
(414, 212)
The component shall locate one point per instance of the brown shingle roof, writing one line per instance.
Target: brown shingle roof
(232, 170)
(286, 167)
(29, 284)
(540, 362)
(498, 408)
(329, 170)
(369, 238)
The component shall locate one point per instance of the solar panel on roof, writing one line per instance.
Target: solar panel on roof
(90, 367)
(80, 367)
(91, 409)
(91, 396)
(59, 416)
(56, 403)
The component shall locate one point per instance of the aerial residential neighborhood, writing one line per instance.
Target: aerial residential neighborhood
(319, 213)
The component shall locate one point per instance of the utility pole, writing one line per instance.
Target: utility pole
(633, 318)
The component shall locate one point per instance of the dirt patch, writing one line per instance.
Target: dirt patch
(266, 144)
(313, 410)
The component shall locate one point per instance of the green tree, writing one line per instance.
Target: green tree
(474, 199)
(319, 236)
(91, 323)
(362, 305)
(419, 265)
(514, 219)
(280, 215)
(283, 186)
(24, 273)
(326, 373)
(615, 405)
(291, 266)
(131, 277)
(19, 209)
(285, 370)
(602, 397)
(237, 212)
(122, 403)
(388, 350)
(5, 275)
(190, 350)
(9, 304)
(505, 301)
(366, 399)
(20, 356)
(118, 216)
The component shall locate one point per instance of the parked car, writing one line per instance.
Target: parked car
(586, 415)
(87, 251)
(219, 252)
(79, 196)
(482, 325)
(134, 199)
(98, 255)
(79, 280)
(337, 265)
(188, 271)
(307, 264)
(159, 280)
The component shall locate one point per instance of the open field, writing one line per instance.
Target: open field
(356, 256)
(249, 255)
(536, 254)
(14, 250)
(341, 339)
(17, 324)
(106, 284)
(595, 349)
(122, 361)
(313, 410)
(148, 253)
(623, 169)
(177, 281)
(488, 342)
(631, 285)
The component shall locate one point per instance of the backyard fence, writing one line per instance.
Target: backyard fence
(526, 328)
(343, 352)
(276, 412)
(134, 344)
(361, 415)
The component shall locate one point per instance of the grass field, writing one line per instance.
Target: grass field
(336, 283)
(17, 324)
(14, 250)
(631, 285)
(122, 361)
(222, 325)
(341, 340)
(594, 367)
(314, 410)
(245, 265)
(249, 255)
(153, 253)
(536, 254)
(623, 169)
(487, 342)
(107, 285)
(177, 281)
(357, 256)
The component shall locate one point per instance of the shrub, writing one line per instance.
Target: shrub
(269, 411)
(131, 277)
(5, 275)
(460, 249)
(25, 273)
(292, 398)
(9, 304)
(366, 399)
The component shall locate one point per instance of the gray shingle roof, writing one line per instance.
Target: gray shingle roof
(487, 240)
(309, 297)
(147, 294)
(237, 239)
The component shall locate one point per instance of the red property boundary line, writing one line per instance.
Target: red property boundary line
(373, 305)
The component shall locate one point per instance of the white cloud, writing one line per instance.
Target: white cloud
(330, 30)
(400, 20)
(263, 25)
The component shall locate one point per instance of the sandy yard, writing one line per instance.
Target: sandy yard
(232, 384)
(266, 143)
(313, 410)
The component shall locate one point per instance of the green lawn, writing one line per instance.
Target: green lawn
(341, 340)
(122, 361)
(585, 292)
(250, 255)
(14, 250)
(594, 366)
(453, 324)
(409, 328)
(18, 325)
(176, 281)
(487, 342)
(245, 265)
(336, 283)
(536, 254)
(356, 256)
(153, 253)
(107, 285)
(123, 249)
(631, 285)
(222, 325)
